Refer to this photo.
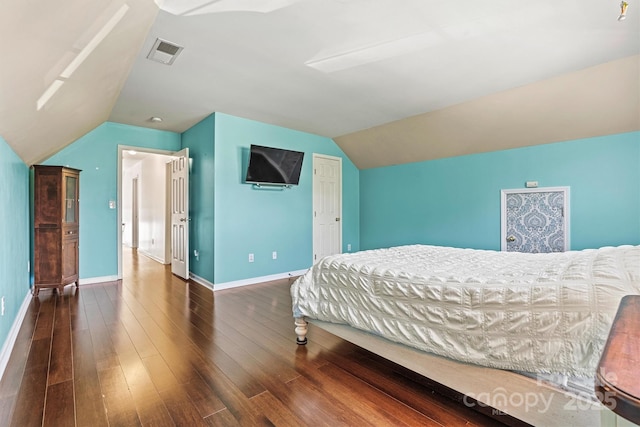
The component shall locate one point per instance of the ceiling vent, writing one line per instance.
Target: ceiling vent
(164, 52)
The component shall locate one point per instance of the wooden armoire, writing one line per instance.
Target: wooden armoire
(56, 226)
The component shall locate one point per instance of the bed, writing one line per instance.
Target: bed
(475, 320)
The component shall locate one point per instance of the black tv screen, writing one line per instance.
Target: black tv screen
(268, 165)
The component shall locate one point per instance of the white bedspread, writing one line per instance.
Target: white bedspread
(527, 312)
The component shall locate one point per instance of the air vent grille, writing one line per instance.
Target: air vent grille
(169, 49)
(164, 52)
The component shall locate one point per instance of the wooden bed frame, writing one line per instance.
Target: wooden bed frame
(509, 397)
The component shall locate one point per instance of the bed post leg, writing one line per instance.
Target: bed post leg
(301, 330)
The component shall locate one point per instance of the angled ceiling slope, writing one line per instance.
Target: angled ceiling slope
(597, 101)
(64, 67)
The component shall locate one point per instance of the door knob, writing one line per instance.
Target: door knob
(183, 219)
(337, 219)
(511, 239)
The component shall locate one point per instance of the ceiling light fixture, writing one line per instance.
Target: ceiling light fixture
(623, 10)
(155, 119)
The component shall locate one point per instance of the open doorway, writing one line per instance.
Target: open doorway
(144, 203)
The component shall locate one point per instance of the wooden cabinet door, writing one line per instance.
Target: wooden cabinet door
(69, 259)
(70, 198)
(47, 256)
(47, 196)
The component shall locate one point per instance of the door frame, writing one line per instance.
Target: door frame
(314, 243)
(503, 213)
(135, 212)
(122, 148)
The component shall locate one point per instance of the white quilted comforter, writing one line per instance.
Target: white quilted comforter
(526, 312)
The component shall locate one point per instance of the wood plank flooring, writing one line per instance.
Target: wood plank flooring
(155, 350)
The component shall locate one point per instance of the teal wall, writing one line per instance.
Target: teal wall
(96, 154)
(229, 219)
(15, 226)
(456, 201)
(260, 221)
(200, 141)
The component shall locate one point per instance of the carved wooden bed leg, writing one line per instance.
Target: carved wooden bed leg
(301, 330)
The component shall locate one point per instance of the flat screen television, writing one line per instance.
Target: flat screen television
(268, 165)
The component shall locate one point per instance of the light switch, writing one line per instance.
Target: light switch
(112, 204)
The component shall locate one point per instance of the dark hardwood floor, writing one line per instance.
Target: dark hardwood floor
(154, 350)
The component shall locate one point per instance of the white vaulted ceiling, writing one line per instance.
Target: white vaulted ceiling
(390, 80)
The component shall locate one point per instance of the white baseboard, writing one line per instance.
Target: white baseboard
(7, 348)
(254, 280)
(201, 280)
(204, 282)
(153, 257)
(92, 280)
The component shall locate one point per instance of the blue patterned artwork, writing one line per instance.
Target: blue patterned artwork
(535, 222)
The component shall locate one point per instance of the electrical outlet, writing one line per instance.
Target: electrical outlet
(196, 254)
(349, 247)
(2, 306)
(250, 257)
(274, 255)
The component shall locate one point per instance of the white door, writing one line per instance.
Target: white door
(180, 214)
(327, 206)
(134, 213)
(535, 220)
